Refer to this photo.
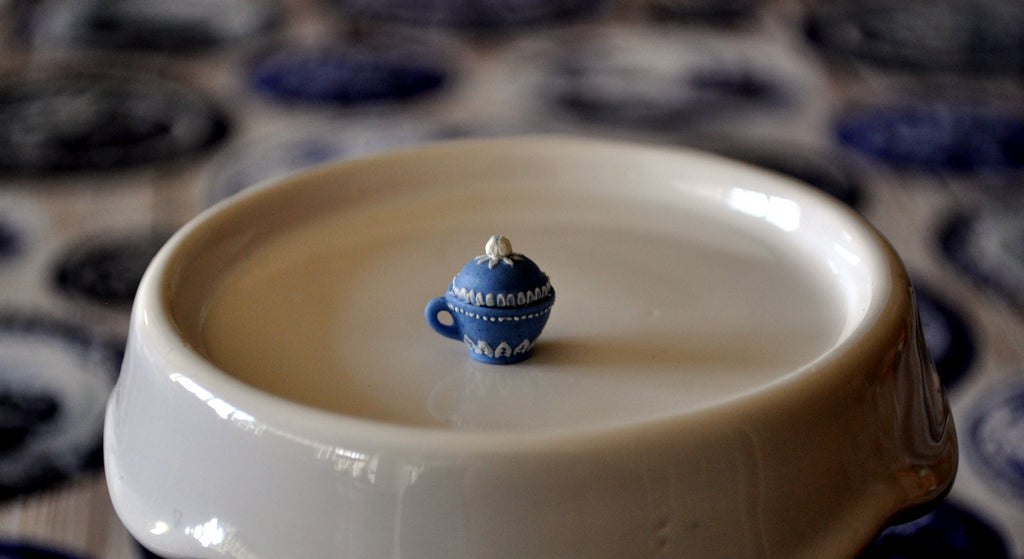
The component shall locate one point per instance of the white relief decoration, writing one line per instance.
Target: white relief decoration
(501, 299)
(503, 350)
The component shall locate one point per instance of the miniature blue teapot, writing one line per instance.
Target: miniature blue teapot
(499, 304)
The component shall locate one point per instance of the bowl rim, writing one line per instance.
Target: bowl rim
(891, 302)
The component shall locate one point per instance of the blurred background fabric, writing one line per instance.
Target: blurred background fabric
(122, 119)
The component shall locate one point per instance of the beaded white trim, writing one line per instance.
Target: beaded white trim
(516, 318)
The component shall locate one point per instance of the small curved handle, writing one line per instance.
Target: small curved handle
(438, 305)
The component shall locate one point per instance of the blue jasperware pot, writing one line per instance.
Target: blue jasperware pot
(499, 304)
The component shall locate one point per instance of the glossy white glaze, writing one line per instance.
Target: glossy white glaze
(733, 368)
(650, 323)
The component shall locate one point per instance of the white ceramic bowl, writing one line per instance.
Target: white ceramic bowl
(733, 367)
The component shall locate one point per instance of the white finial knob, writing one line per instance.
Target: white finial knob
(498, 247)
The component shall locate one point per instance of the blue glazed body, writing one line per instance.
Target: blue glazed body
(498, 305)
(493, 335)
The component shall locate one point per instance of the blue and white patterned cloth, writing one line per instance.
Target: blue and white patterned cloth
(122, 119)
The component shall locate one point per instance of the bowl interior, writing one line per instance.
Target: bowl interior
(684, 282)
